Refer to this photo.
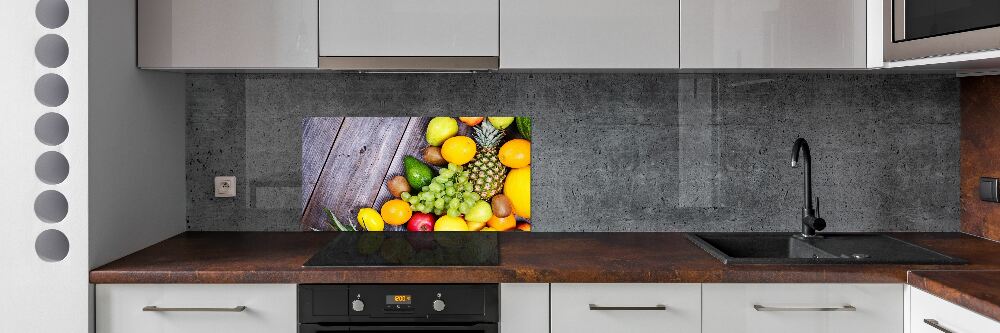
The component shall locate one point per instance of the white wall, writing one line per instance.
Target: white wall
(124, 187)
(38, 295)
(137, 187)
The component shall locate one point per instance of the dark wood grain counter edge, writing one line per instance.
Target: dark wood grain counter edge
(964, 298)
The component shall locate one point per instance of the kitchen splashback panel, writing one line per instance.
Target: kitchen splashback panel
(616, 152)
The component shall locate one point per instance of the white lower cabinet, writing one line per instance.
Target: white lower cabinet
(803, 308)
(196, 308)
(626, 307)
(524, 307)
(569, 308)
(930, 314)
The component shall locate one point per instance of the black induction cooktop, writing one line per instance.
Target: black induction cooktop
(408, 249)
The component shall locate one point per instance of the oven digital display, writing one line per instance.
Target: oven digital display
(398, 299)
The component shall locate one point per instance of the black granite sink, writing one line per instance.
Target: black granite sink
(832, 248)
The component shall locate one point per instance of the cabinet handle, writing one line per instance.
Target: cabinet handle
(595, 307)
(935, 324)
(154, 308)
(759, 307)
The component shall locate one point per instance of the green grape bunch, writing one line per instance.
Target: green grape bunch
(449, 192)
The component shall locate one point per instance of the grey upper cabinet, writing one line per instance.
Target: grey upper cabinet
(406, 28)
(589, 34)
(424, 35)
(509, 34)
(779, 34)
(221, 34)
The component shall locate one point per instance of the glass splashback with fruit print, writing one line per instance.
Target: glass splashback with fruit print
(613, 152)
(416, 173)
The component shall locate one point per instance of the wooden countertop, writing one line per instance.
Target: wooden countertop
(978, 291)
(272, 257)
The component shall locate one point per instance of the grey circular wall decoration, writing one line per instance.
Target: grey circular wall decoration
(52, 129)
(52, 168)
(52, 245)
(52, 13)
(51, 206)
(51, 51)
(51, 90)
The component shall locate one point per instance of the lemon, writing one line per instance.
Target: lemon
(476, 226)
(370, 220)
(450, 223)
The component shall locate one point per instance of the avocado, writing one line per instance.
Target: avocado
(418, 174)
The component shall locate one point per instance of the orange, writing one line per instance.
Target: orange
(524, 226)
(502, 223)
(396, 212)
(471, 121)
(450, 223)
(458, 150)
(515, 153)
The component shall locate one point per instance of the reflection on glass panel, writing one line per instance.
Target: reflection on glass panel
(409, 249)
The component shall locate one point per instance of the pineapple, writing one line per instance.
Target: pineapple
(485, 171)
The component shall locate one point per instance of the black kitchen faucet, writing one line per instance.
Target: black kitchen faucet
(810, 221)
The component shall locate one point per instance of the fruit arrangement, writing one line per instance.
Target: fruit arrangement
(475, 182)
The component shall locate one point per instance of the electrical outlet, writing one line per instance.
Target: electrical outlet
(225, 187)
(988, 189)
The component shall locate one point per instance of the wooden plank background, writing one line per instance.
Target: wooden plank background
(411, 143)
(317, 139)
(349, 171)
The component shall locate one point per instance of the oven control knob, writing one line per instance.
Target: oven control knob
(438, 305)
(358, 305)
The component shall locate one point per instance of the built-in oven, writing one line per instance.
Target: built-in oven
(388, 308)
(916, 29)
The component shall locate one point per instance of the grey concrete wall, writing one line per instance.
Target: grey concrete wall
(616, 152)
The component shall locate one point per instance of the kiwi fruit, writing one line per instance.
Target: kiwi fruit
(397, 185)
(432, 155)
(501, 205)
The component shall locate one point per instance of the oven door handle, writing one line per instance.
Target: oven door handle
(314, 328)
(401, 327)
(485, 328)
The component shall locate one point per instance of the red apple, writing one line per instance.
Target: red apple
(420, 222)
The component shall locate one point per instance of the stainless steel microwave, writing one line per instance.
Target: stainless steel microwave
(916, 29)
